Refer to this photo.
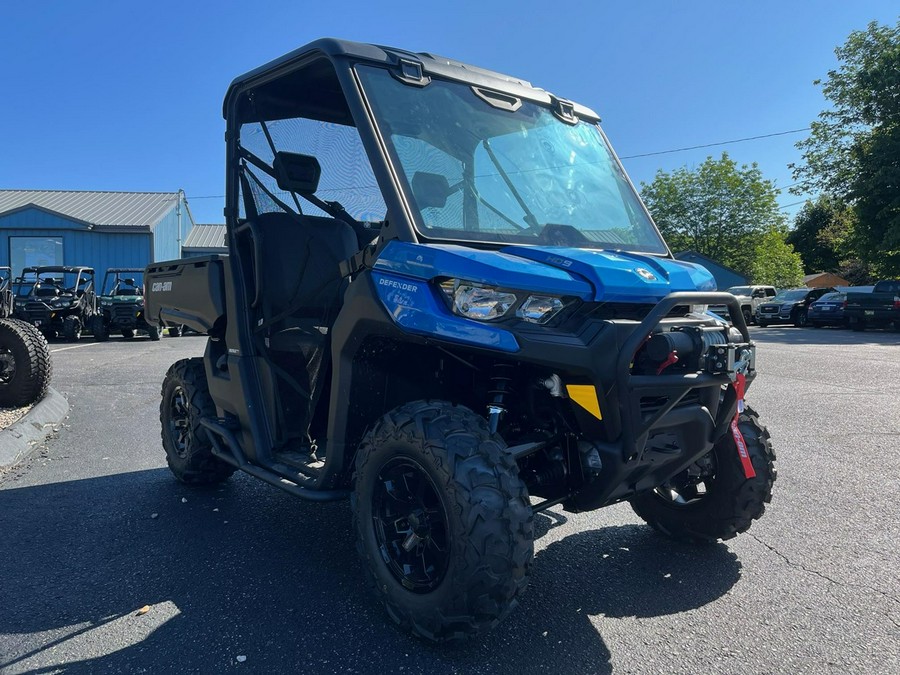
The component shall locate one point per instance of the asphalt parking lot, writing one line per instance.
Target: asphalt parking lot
(94, 527)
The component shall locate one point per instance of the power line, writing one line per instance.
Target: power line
(712, 145)
(787, 206)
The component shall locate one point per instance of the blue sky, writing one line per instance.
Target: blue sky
(127, 96)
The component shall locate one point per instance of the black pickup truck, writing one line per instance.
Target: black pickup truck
(877, 309)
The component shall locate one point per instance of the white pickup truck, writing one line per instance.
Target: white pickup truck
(750, 298)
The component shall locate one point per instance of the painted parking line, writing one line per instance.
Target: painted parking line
(62, 349)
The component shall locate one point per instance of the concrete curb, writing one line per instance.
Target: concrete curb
(18, 440)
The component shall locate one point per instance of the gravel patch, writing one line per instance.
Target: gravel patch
(9, 416)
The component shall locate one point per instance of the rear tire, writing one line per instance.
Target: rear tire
(72, 328)
(763, 324)
(185, 401)
(435, 469)
(801, 319)
(731, 501)
(25, 365)
(153, 332)
(176, 331)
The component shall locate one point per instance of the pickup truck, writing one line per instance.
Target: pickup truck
(750, 298)
(879, 308)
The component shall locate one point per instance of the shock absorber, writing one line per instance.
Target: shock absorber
(501, 378)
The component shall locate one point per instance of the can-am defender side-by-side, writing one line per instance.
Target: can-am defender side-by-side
(121, 305)
(60, 300)
(444, 299)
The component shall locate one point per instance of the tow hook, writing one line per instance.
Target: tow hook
(739, 382)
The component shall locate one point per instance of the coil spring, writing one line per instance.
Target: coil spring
(501, 377)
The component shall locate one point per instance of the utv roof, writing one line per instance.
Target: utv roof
(66, 268)
(119, 270)
(431, 64)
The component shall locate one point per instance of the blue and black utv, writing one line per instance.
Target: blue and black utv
(444, 300)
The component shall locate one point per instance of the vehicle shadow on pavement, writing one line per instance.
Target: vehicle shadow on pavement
(245, 570)
(828, 335)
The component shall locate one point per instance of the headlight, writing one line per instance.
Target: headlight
(486, 303)
(482, 303)
(540, 308)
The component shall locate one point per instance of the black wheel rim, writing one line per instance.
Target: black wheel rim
(7, 366)
(179, 421)
(411, 527)
(692, 485)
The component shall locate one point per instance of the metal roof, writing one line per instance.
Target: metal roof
(97, 209)
(205, 237)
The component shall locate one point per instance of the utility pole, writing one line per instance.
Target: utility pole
(178, 213)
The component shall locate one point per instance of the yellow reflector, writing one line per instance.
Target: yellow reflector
(586, 396)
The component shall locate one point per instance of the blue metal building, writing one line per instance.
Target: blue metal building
(204, 240)
(95, 229)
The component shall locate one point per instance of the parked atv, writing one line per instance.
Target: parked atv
(58, 301)
(121, 305)
(480, 322)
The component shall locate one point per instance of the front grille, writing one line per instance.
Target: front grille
(630, 310)
(124, 312)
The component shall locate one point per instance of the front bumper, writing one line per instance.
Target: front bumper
(693, 408)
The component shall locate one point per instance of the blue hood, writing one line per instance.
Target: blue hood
(622, 276)
(603, 276)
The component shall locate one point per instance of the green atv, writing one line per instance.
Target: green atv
(60, 301)
(121, 306)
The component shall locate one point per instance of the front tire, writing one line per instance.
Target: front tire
(100, 329)
(763, 324)
(801, 319)
(72, 328)
(153, 332)
(25, 366)
(722, 502)
(443, 520)
(185, 401)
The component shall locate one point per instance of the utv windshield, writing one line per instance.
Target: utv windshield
(488, 167)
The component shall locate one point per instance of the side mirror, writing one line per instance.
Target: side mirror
(297, 173)
(430, 190)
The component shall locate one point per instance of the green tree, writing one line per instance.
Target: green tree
(775, 262)
(853, 150)
(717, 209)
(823, 233)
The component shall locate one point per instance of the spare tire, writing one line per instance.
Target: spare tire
(25, 367)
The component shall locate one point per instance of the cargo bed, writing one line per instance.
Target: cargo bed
(188, 292)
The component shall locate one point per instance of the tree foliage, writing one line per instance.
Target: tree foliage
(853, 150)
(775, 262)
(823, 233)
(717, 209)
